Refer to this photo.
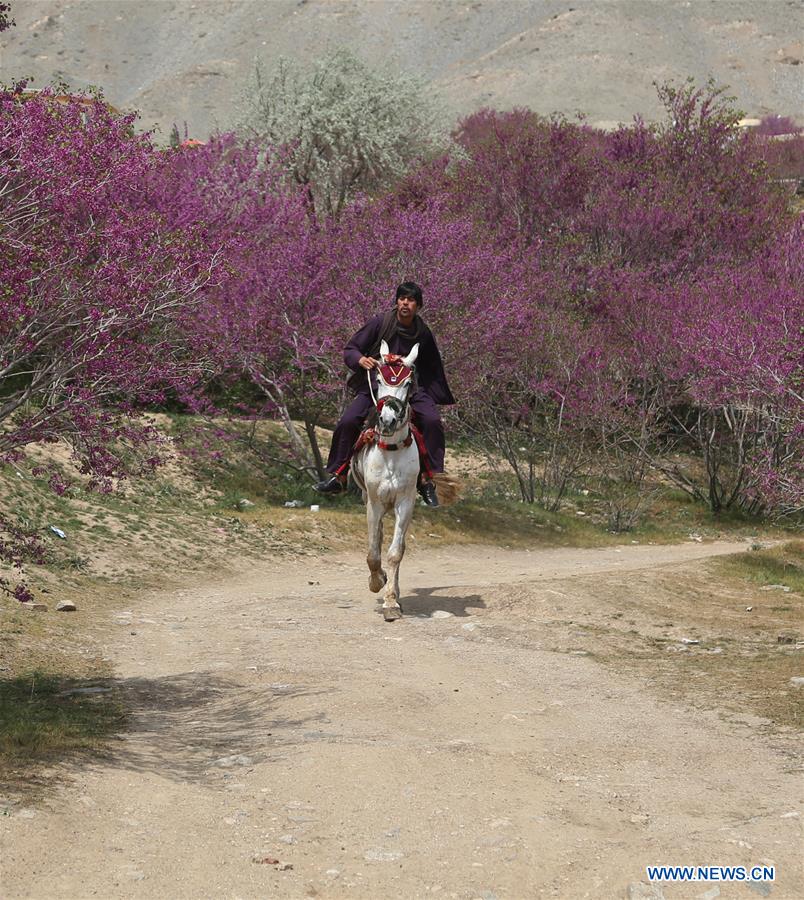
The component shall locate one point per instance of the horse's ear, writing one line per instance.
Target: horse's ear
(411, 357)
(384, 350)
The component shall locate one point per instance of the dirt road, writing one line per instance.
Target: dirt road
(480, 754)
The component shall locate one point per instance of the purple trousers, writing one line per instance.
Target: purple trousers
(426, 417)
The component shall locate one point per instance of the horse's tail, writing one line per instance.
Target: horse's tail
(448, 488)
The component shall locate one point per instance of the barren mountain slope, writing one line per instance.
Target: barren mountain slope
(177, 60)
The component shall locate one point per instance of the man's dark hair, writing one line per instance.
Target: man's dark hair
(410, 289)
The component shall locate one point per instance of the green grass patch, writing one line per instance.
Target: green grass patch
(675, 514)
(519, 524)
(41, 719)
(235, 462)
(782, 565)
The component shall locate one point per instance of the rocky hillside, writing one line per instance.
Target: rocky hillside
(183, 61)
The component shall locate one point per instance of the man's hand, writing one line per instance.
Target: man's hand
(367, 362)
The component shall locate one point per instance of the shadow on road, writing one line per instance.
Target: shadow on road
(192, 726)
(424, 602)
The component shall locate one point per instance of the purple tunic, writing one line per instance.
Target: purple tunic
(429, 367)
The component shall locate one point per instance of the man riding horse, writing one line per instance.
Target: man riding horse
(401, 327)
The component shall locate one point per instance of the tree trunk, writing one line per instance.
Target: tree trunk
(309, 427)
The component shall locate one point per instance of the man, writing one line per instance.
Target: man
(402, 327)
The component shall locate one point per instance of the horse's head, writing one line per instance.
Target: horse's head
(394, 387)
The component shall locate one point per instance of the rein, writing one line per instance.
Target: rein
(371, 388)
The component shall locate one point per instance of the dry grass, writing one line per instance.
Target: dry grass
(745, 641)
(781, 567)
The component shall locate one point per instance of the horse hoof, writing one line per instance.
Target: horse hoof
(377, 582)
(392, 613)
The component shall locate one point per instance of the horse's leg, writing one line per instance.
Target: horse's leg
(377, 578)
(403, 513)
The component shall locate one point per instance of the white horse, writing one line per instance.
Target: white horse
(386, 471)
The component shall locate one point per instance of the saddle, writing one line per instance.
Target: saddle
(369, 436)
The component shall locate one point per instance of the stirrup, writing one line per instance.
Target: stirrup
(428, 492)
(332, 485)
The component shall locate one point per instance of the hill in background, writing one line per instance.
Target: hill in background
(182, 61)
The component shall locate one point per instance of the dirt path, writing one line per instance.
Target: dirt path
(475, 755)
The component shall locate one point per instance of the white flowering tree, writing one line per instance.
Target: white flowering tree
(346, 128)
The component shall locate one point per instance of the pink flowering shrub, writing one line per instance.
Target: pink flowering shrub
(93, 287)
(771, 126)
(262, 326)
(781, 144)
(738, 345)
(642, 269)
(93, 283)
(5, 16)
